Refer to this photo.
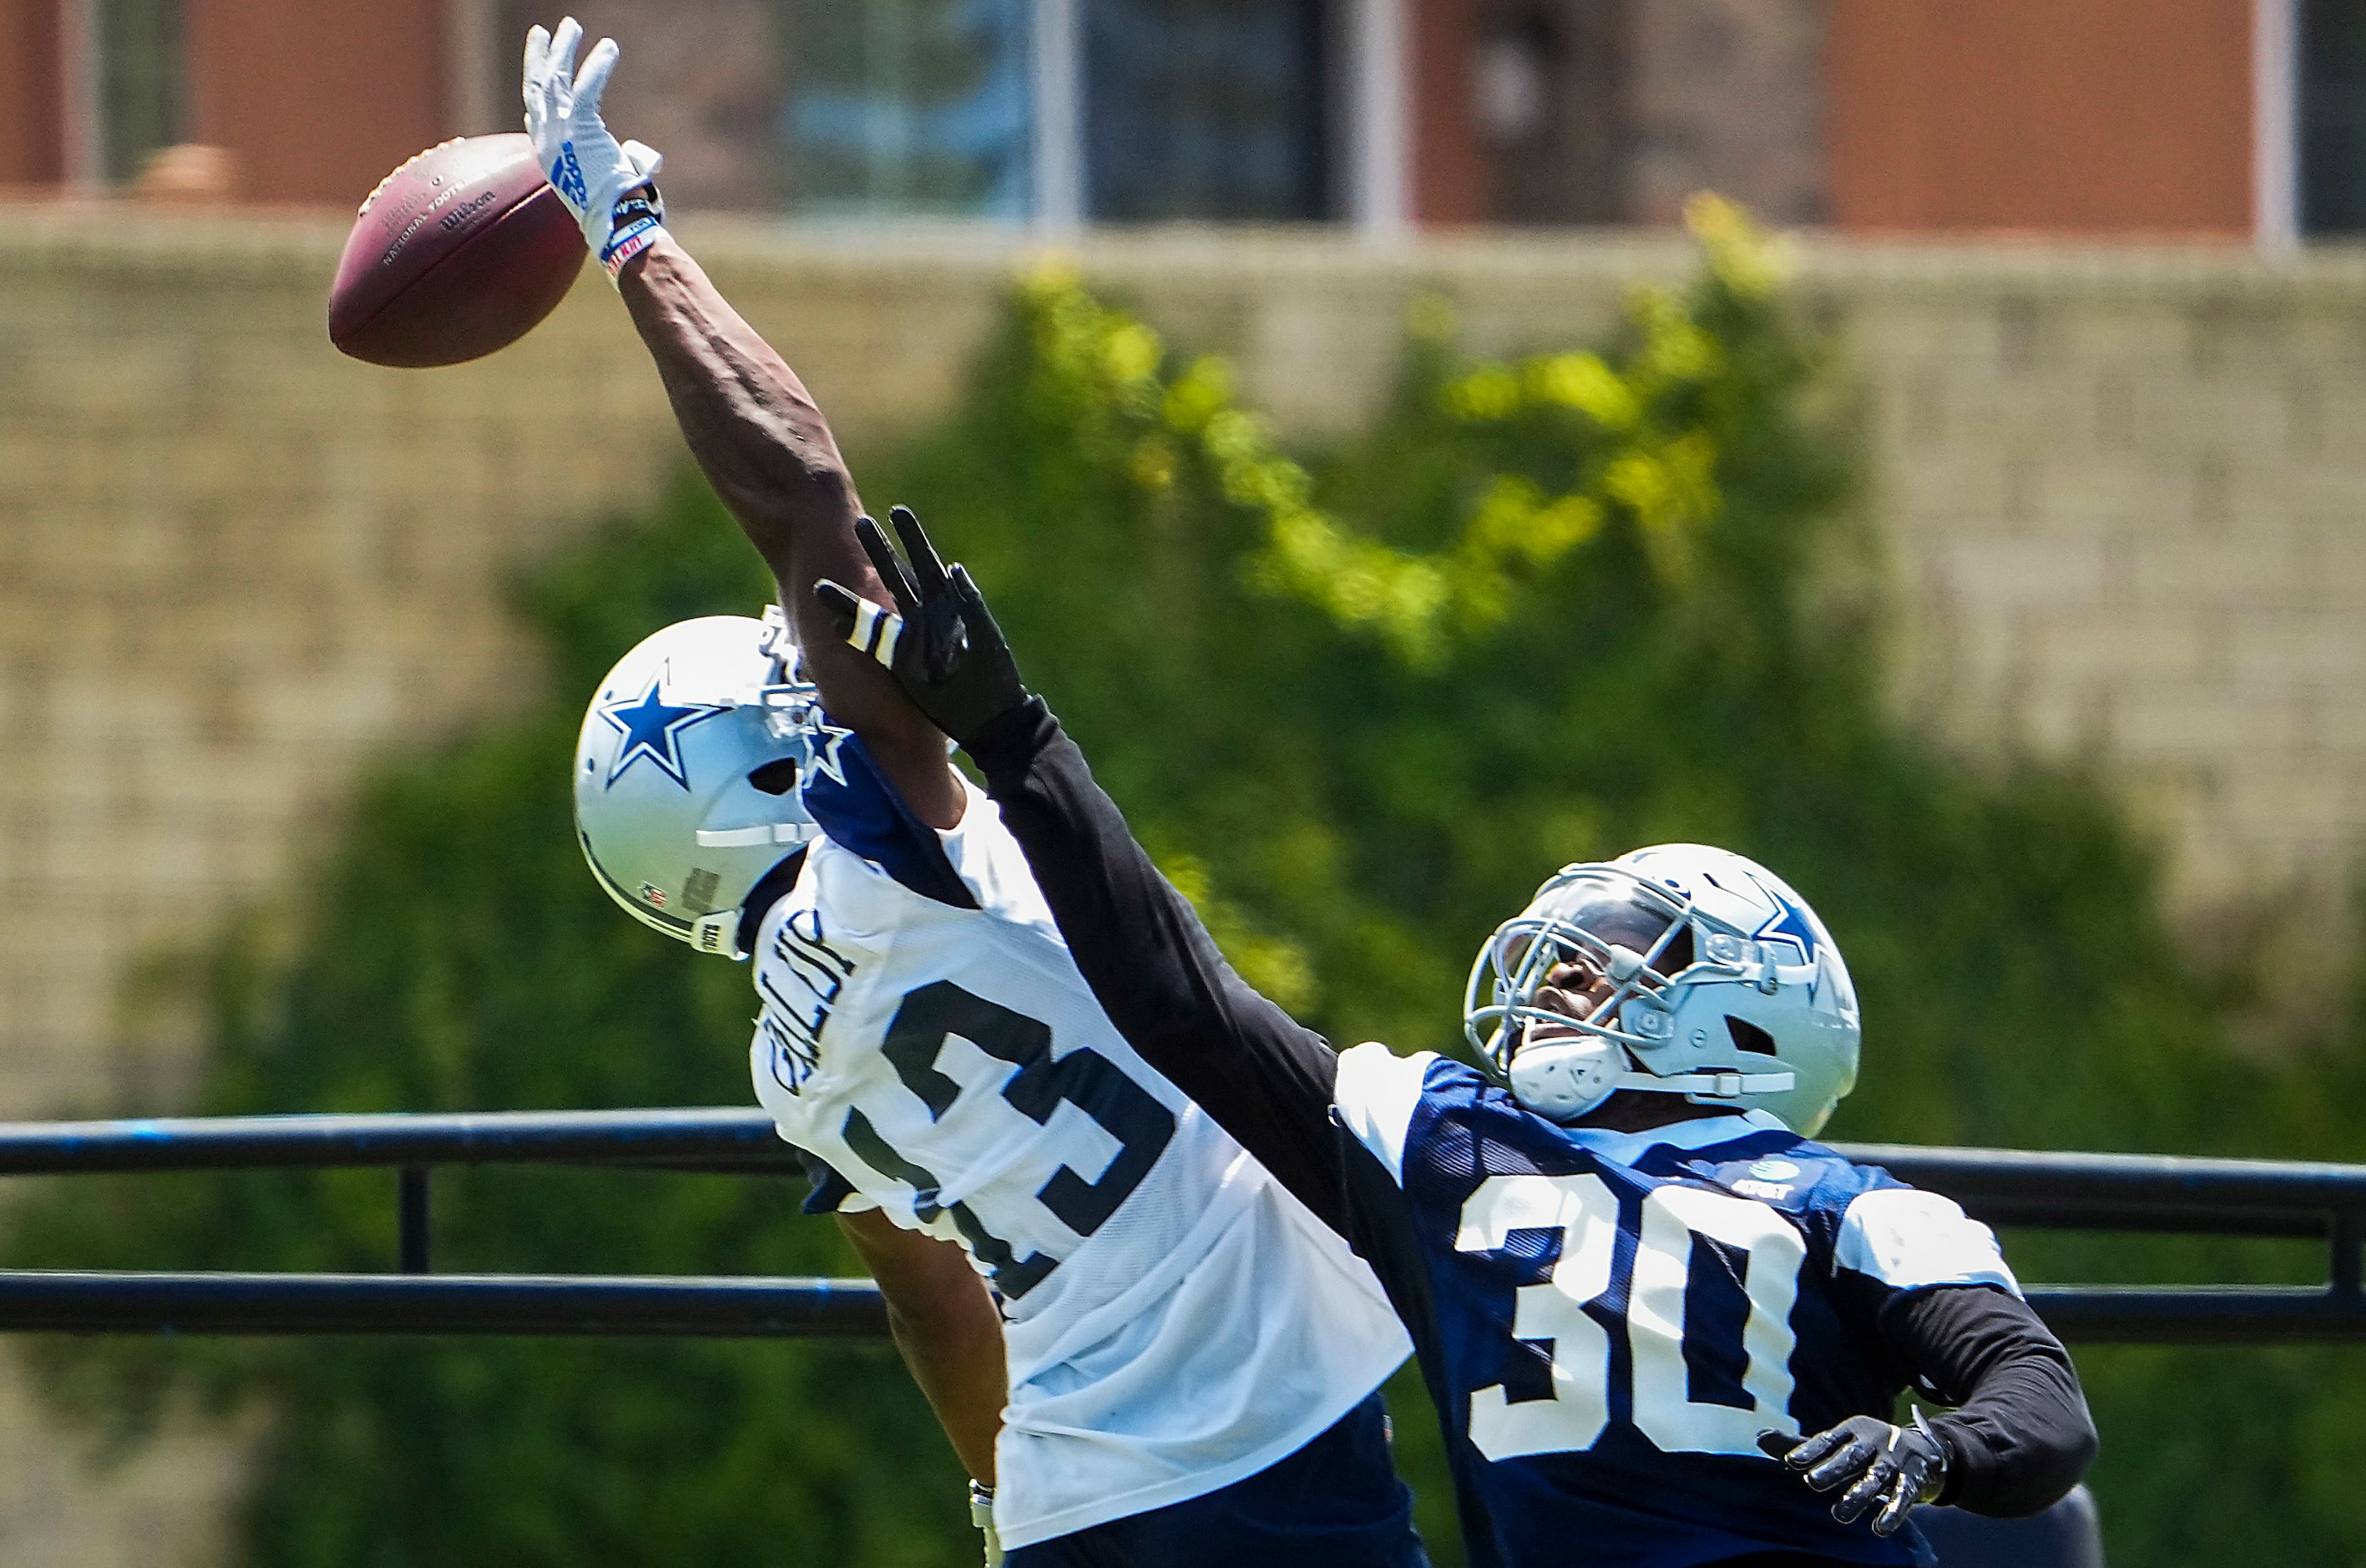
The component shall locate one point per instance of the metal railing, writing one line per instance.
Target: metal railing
(416, 1300)
(2064, 1191)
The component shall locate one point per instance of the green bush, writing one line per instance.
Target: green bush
(1358, 701)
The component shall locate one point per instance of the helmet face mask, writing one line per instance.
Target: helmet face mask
(1613, 934)
(687, 771)
(1677, 969)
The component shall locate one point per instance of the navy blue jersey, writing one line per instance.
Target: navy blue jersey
(1606, 1320)
(1614, 1317)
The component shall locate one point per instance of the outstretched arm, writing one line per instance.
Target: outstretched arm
(1267, 1080)
(751, 424)
(763, 442)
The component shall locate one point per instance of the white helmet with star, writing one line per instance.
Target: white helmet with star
(687, 773)
(1707, 974)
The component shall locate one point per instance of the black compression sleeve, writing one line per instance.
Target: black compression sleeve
(1264, 1079)
(2019, 1436)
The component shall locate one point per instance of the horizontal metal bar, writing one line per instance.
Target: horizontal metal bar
(2173, 1183)
(2086, 1192)
(2037, 1214)
(2198, 1314)
(96, 1302)
(705, 1138)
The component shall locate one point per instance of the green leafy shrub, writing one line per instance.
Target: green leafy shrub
(1360, 701)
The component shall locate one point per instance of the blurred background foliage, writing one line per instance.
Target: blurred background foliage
(1358, 700)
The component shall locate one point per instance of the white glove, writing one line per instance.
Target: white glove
(605, 184)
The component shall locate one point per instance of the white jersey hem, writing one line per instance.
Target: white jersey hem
(1068, 1521)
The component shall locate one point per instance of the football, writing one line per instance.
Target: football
(459, 252)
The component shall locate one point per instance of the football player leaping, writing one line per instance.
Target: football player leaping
(1192, 1357)
(1646, 1305)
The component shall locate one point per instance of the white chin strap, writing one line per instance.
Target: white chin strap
(1563, 1079)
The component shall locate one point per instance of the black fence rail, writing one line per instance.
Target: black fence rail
(2063, 1191)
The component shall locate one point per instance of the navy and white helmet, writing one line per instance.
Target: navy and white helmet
(687, 771)
(1723, 986)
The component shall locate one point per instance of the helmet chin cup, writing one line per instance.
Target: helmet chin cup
(1562, 1079)
(717, 933)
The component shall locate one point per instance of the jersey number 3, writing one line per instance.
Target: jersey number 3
(1127, 1111)
(1707, 1319)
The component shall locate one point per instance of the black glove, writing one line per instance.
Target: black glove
(1894, 1466)
(941, 645)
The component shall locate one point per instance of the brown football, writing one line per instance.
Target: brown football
(458, 253)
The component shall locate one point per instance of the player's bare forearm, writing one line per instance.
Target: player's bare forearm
(763, 443)
(945, 1326)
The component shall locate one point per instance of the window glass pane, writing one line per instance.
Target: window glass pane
(139, 80)
(1205, 108)
(908, 107)
(2333, 116)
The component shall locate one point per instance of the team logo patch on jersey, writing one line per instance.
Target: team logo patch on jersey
(652, 728)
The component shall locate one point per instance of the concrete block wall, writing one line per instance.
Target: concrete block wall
(2123, 490)
(2127, 500)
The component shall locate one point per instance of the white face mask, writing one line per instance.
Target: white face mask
(1696, 973)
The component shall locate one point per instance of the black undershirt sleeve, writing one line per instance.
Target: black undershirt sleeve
(1266, 1079)
(2020, 1435)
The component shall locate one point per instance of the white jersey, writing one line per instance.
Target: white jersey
(1174, 1322)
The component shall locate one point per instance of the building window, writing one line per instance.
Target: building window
(2332, 80)
(141, 94)
(1206, 109)
(909, 107)
(1114, 111)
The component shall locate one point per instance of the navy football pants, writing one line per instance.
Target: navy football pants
(1336, 1503)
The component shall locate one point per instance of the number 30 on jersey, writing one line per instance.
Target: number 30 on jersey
(1748, 1384)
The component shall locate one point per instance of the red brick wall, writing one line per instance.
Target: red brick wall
(316, 101)
(1452, 180)
(2065, 116)
(30, 149)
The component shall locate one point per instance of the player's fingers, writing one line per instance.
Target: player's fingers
(1810, 1450)
(965, 594)
(927, 569)
(537, 53)
(593, 80)
(889, 566)
(1775, 1445)
(559, 64)
(1869, 1486)
(1848, 1462)
(1894, 1508)
(867, 628)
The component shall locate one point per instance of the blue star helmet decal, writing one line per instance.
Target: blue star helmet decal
(1789, 924)
(651, 728)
